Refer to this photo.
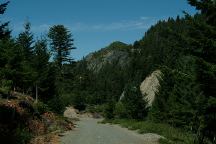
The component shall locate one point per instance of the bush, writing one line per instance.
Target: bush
(120, 110)
(79, 101)
(56, 105)
(95, 108)
(22, 136)
(5, 87)
(67, 98)
(40, 107)
(109, 110)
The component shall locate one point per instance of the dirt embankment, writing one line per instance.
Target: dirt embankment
(22, 121)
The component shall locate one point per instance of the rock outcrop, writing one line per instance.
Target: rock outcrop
(71, 112)
(117, 53)
(149, 87)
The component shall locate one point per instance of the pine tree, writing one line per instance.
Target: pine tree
(6, 54)
(25, 41)
(204, 49)
(4, 31)
(207, 8)
(8, 62)
(61, 43)
(27, 74)
(134, 103)
(41, 66)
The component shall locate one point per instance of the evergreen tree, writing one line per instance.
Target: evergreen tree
(41, 66)
(4, 31)
(134, 103)
(6, 54)
(25, 41)
(26, 71)
(204, 49)
(207, 8)
(61, 43)
(8, 61)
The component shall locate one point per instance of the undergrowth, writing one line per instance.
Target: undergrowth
(171, 135)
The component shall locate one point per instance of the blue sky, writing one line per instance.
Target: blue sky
(94, 23)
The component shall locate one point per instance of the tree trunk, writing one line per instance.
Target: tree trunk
(36, 93)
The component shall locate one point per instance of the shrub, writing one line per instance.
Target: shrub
(22, 136)
(79, 101)
(56, 105)
(96, 108)
(120, 110)
(5, 87)
(109, 110)
(40, 107)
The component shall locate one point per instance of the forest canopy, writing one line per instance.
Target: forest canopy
(182, 48)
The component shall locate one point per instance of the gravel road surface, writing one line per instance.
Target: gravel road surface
(89, 131)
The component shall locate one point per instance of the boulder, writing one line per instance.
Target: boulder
(71, 112)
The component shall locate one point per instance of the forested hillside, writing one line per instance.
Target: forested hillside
(108, 81)
(183, 49)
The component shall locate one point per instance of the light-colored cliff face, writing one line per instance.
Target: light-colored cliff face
(116, 54)
(120, 58)
(149, 87)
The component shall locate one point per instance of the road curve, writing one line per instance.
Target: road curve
(88, 131)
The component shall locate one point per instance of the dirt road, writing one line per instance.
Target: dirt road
(89, 131)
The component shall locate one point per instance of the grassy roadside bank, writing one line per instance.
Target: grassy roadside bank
(172, 135)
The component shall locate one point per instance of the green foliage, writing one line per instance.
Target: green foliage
(184, 49)
(25, 41)
(56, 104)
(19, 135)
(120, 110)
(207, 8)
(24, 65)
(134, 104)
(43, 70)
(62, 43)
(171, 135)
(108, 83)
(109, 110)
(176, 100)
(5, 87)
(40, 107)
(96, 108)
(79, 101)
(8, 61)
(22, 136)
(4, 31)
